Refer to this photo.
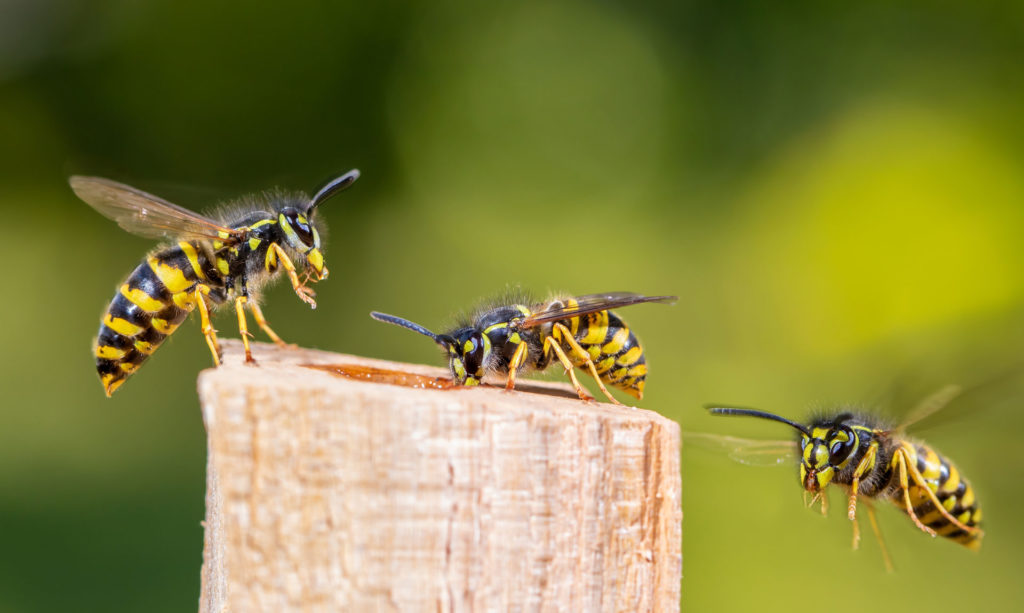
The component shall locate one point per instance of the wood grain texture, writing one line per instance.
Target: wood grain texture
(331, 494)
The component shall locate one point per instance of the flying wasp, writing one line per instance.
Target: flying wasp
(212, 262)
(873, 461)
(580, 332)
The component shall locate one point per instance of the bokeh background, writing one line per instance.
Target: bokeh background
(834, 191)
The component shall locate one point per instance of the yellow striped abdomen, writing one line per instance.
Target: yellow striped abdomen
(614, 349)
(952, 490)
(147, 308)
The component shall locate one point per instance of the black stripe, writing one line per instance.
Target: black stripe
(108, 367)
(110, 338)
(143, 278)
(127, 310)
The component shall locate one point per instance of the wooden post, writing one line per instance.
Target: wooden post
(327, 493)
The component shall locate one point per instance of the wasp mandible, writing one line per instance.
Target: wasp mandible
(210, 263)
(580, 332)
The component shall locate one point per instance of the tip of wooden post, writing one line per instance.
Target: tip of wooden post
(330, 487)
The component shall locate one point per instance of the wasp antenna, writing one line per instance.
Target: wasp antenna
(333, 187)
(405, 323)
(755, 413)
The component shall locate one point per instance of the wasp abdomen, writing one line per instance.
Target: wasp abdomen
(614, 349)
(148, 307)
(954, 493)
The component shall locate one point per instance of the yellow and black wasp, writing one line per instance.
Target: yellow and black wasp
(212, 262)
(873, 461)
(580, 332)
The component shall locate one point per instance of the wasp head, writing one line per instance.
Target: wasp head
(297, 223)
(825, 448)
(468, 350)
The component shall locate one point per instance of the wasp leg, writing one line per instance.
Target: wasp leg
(261, 321)
(919, 480)
(865, 462)
(569, 368)
(304, 293)
(583, 355)
(513, 365)
(199, 297)
(878, 535)
(243, 327)
(902, 461)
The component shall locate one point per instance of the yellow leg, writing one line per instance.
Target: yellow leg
(918, 479)
(856, 533)
(862, 467)
(585, 357)
(261, 321)
(199, 297)
(304, 293)
(901, 463)
(569, 369)
(878, 535)
(514, 364)
(243, 327)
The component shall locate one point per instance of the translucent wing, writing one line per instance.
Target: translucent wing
(930, 405)
(591, 303)
(145, 214)
(753, 452)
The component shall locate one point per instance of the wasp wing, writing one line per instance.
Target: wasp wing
(753, 452)
(145, 214)
(590, 303)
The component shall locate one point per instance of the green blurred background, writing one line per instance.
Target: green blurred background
(835, 193)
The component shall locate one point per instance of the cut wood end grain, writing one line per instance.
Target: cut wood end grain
(327, 493)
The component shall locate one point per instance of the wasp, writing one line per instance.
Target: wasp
(580, 332)
(873, 461)
(210, 263)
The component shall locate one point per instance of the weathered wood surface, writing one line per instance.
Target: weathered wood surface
(331, 494)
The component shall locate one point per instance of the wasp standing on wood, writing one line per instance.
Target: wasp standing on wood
(211, 263)
(872, 461)
(581, 332)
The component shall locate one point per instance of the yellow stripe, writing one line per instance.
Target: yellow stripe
(615, 345)
(163, 326)
(947, 529)
(639, 370)
(145, 347)
(254, 243)
(141, 299)
(631, 356)
(121, 326)
(605, 364)
(262, 223)
(183, 300)
(932, 466)
(222, 266)
(597, 330)
(952, 482)
(128, 367)
(111, 382)
(967, 500)
(193, 258)
(172, 278)
(110, 353)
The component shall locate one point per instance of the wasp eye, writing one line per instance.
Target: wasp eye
(299, 225)
(473, 353)
(842, 446)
